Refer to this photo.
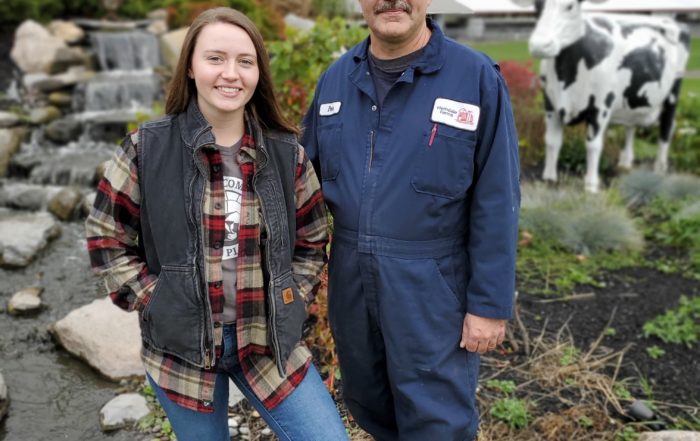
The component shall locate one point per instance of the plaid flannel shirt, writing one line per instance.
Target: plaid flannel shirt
(112, 231)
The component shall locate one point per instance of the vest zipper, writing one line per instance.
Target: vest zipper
(271, 284)
(208, 360)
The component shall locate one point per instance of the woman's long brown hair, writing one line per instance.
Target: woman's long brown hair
(263, 105)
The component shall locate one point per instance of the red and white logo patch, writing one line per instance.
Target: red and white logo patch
(455, 114)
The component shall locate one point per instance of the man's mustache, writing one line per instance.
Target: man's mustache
(389, 5)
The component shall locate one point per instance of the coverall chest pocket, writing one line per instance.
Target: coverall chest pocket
(445, 164)
(330, 139)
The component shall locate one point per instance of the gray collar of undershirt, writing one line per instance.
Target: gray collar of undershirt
(395, 65)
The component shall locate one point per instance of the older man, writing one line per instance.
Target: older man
(414, 139)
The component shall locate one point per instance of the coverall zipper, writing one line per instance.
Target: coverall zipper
(371, 149)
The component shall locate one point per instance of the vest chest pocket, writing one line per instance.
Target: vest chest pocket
(330, 140)
(444, 166)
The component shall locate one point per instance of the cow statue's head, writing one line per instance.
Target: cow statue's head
(559, 24)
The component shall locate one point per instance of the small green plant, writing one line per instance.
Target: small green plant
(628, 433)
(679, 326)
(585, 421)
(503, 386)
(512, 411)
(647, 388)
(610, 332)
(569, 356)
(156, 418)
(655, 352)
(621, 391)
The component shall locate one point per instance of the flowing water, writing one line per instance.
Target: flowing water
(53, 395)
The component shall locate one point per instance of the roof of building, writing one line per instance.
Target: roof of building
(508, 7)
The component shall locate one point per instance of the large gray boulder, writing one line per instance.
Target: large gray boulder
(35, 48)
(23, 235)
(46, 83)
(25, 196)
(64, 130)
(67, 31)
(68, 57)
(106, 337)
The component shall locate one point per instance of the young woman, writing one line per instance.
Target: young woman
(210, 223)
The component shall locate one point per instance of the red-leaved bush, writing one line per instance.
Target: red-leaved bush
(524, 87)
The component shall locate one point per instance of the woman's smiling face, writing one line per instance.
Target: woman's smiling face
(225, 70)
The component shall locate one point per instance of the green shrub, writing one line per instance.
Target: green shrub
(684, 154)
(298, 61)
(139, 8)
(597, 229)
(572, 157)
(330, 8)
(528, 110)
(16, 11)
(585, 224)
(641, 187)
(680, 186)
(546, 223)
(182, 12)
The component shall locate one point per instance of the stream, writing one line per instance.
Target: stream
(53, 395)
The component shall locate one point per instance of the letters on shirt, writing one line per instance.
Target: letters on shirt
(329, 109)
(455, 114)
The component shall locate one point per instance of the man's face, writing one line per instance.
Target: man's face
(394, 21)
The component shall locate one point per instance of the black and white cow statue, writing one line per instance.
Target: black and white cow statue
(604, 68)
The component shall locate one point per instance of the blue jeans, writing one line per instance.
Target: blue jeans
(307, 414)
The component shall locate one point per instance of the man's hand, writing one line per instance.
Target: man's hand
(481, 334)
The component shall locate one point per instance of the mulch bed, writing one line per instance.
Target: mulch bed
(634, 296)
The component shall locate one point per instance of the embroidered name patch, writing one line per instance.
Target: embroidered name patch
(455, 114)
(329, 109)
(287, 296)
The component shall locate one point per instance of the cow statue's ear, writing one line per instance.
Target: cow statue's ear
(524, 3)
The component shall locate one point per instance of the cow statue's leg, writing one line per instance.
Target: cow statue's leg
(553, 138)
(627, 154)
(666, 127)
(594, 147)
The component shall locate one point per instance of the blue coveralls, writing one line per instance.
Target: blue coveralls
(425, 229)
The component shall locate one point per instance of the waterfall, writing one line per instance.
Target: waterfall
(135, 50)
(127, 84)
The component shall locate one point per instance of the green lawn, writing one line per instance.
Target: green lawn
(517, 50)
(694, 60)
(503, 50)
(690, 86)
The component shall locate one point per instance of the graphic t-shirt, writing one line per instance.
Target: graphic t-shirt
(233, 182)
